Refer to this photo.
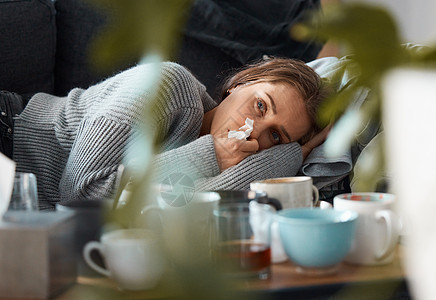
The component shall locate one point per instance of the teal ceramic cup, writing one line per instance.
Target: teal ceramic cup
(316, 240)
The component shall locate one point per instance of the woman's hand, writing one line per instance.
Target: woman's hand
(317, 140)
(230, 152)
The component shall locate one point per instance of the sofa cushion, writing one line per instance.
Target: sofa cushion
(78, 22)
(27, 45)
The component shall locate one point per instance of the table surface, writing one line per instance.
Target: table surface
(284, 281)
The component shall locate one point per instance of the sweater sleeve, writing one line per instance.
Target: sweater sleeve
(278, 161)
(91, 169)
(196, 159)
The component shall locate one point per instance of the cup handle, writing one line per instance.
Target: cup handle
(315, 195)
(149, 208)
(392, 232)
(89, 247)
(273, 202)
(145, 210)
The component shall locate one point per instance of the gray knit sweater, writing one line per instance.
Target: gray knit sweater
(74, 144)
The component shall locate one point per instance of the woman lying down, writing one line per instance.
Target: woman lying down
(264, 126)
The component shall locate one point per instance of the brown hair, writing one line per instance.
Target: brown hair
(286, 70)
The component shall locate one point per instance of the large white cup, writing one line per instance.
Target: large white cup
(292, 192)
(378, 227)
(409, 110)
(133, 257)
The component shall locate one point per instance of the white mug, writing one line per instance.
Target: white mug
(378, 227)
(292, 192)
(133, 257)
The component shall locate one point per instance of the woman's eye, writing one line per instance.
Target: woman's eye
(261, 105)
(276, 137)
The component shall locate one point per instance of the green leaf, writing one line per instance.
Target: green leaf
(369, 33)
(333, 107)
(371, 168)
(371, 38)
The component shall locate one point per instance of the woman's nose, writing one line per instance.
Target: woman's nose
(257, 127)
(259, 133)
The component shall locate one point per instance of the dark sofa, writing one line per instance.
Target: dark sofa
(44, 43)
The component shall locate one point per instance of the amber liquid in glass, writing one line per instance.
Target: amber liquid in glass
(244, 256)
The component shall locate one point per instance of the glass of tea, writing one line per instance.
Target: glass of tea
(243, 240)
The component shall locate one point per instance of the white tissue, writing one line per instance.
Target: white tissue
(244, 131)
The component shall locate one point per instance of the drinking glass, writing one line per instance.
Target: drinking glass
(243, 243)
(24, 194)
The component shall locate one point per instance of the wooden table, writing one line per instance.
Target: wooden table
(349, 282)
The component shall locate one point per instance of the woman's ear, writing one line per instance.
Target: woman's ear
(230, 90)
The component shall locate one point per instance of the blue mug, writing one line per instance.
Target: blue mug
(316, 240)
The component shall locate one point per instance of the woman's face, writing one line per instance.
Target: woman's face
(277, 109)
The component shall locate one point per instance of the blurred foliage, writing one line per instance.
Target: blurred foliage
(142, 31)
(150, 31)
(369, 35)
